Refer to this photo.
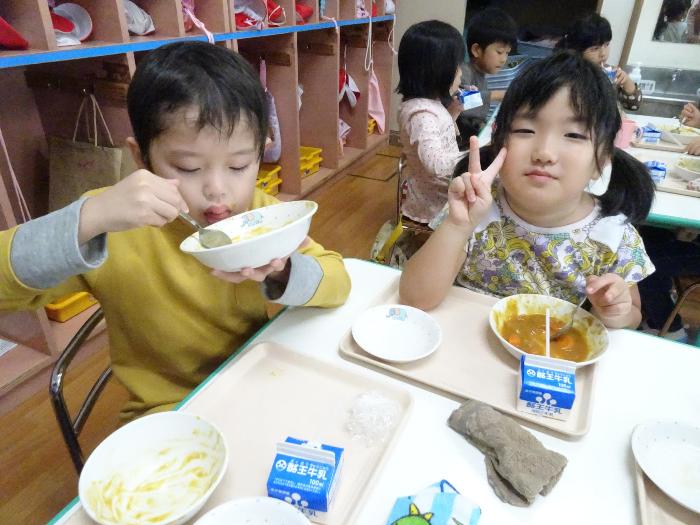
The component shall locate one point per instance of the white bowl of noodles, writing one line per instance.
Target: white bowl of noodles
(257, 236)
(159, 469)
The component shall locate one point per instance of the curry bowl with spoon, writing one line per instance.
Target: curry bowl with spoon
(518, 322)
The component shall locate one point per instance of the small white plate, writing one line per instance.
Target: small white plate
(397, 333)
(254, 511)
(669, 453)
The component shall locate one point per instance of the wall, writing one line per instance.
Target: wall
(410, 12)
(659, 54)
(618, 13)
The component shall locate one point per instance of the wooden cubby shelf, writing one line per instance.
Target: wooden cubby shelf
(42, 88)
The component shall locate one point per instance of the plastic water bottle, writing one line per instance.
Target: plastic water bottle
(636, 74)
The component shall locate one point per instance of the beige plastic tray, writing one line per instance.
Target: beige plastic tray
(674, 184)
(270, 393)
(471, 363)
(661, 146)
(656, 508)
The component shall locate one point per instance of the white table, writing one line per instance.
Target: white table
(669, 209)
(642, 378)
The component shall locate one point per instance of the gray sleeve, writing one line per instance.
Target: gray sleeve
(45, 251)
(304, 278)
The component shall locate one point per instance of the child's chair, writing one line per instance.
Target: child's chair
(684, 287)
(70, 428)
(384, 253)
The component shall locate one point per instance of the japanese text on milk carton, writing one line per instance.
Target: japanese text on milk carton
(305, 474)
(546, 387)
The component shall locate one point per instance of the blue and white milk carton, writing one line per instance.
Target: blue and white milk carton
(546, 387)
(470, 98)
(305, 474)
(657, 170)
(648, 134)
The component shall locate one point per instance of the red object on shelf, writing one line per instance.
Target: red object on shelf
(275, 13)
(374, 8)
(61, 23)
(10, 38)
(304, 11)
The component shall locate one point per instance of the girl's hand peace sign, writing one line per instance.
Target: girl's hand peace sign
(469, 195)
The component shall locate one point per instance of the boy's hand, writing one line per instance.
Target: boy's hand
(277, 270)
(691, 115)
(610, 296)
(141, 199)
(469, 195)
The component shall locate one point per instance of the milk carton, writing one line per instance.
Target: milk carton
(470, 98)
(657, 170)
(648, 135)
(546, 387)
(305, 474)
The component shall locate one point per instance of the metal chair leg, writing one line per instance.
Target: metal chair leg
(70, 428)
(677, 308)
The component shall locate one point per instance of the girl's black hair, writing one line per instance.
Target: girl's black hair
(589, 31)
(593, 101)
(429, 55)
(670, 10)
(221, 84)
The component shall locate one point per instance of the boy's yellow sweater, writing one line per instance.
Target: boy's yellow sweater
(170, 322)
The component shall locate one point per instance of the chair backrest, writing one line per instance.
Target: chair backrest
(71, 427)
(400, 187)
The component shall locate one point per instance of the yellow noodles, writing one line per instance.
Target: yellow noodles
(159, 486)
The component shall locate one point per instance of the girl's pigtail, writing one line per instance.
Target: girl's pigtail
(631, 189)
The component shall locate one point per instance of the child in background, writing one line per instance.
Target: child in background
(538, 230)
(691, 117)
(199, 120)
(591, 37)
(491, 34)
(430, 55)
(671, 26)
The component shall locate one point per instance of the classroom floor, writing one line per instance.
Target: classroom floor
(38, 478)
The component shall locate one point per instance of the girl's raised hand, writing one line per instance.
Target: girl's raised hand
(469, 195)
(141, 199)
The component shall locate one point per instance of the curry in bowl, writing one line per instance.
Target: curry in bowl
(527, 332)
(519, 323)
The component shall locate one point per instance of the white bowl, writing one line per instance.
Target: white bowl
(397, 333)
(669, 453)
(588, 324)
(81, 19)
(686, 134)
(688, 167)
(254, 511)
(124, 470)
(260, 235)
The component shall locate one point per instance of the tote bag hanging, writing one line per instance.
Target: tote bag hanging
(76, 167)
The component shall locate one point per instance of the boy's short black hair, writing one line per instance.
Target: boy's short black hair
(429, 54)
(489, 26)
(219, 82)
(590, 31)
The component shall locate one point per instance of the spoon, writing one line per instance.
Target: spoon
(678, 129)
(569, 324)
(208, 238)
